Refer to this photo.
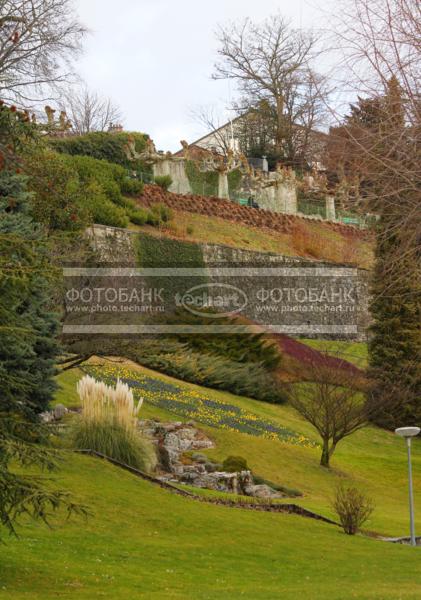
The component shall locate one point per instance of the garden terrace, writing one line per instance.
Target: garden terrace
(231, 211)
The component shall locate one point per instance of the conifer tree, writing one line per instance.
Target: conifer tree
(395, 345)
(27, 342)
(27, 326)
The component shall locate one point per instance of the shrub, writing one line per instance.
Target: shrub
(129, 204)
(103, 211)
(232, 464)
(352, 507)
(110, 177)
(164, 181)
(189, 229)
(139, 216)
(102, 145)
(246, 347)
(59, 200)
(132, 187)
(243, 379)
(143, 216)
(161, 213)
(109, 181)
(108, 424)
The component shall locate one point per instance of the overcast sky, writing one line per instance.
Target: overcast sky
(155, 58)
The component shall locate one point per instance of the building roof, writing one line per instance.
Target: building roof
(231, 121)
(196, 152)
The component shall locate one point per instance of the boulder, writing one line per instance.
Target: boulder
(59, 411)
(262, 491)
(219, 481)
(46, 417)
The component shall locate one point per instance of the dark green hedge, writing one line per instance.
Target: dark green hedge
(102, 145)
(168, 356)
(168, 253)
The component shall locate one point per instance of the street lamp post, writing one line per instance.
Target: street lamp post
(408, 433)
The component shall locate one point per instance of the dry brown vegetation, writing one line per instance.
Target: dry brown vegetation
(214, 220)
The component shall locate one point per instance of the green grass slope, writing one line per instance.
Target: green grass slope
(373, 459)
(144, 542)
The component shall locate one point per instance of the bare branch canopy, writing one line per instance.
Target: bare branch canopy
(38, 40)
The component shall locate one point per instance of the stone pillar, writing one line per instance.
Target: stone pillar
(330, 208)
(223, 190)
(265, 165)
(161, 167)
(286, 196)
(291, 200)
(176, 170)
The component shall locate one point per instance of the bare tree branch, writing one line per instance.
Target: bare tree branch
(271, 61)
(88, 111)
(38, 40)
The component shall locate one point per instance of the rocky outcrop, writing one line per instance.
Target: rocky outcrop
(174, 440)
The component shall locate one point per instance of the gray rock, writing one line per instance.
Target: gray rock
(59, 411)
(47, 417)
(219, 481)
(189, 476)
(262, 491)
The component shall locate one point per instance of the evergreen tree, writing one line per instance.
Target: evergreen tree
(27, 342)
(395, 346)
(27, 327)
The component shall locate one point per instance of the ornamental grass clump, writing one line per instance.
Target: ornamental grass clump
(108, 424)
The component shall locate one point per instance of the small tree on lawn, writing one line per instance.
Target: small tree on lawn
(352, 507)
(332, 401)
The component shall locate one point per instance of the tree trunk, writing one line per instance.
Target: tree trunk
(279, 124)
(324, 460)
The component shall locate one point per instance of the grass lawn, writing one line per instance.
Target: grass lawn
(354, 352)
(144, 542)
(373, 459)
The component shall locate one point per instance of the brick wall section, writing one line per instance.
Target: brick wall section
(230, 211)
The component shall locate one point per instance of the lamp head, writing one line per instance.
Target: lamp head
(407, 432)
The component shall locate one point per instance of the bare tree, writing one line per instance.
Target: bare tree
(381, 49)
(88, 111)
(207, 116)
(332, 401)
(38, 40)
(270, 62)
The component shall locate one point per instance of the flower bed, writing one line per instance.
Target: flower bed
(197, 405)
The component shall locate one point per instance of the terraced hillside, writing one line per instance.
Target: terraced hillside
(234, 212)
(219, 221)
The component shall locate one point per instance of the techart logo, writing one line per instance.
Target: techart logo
(223, 299)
